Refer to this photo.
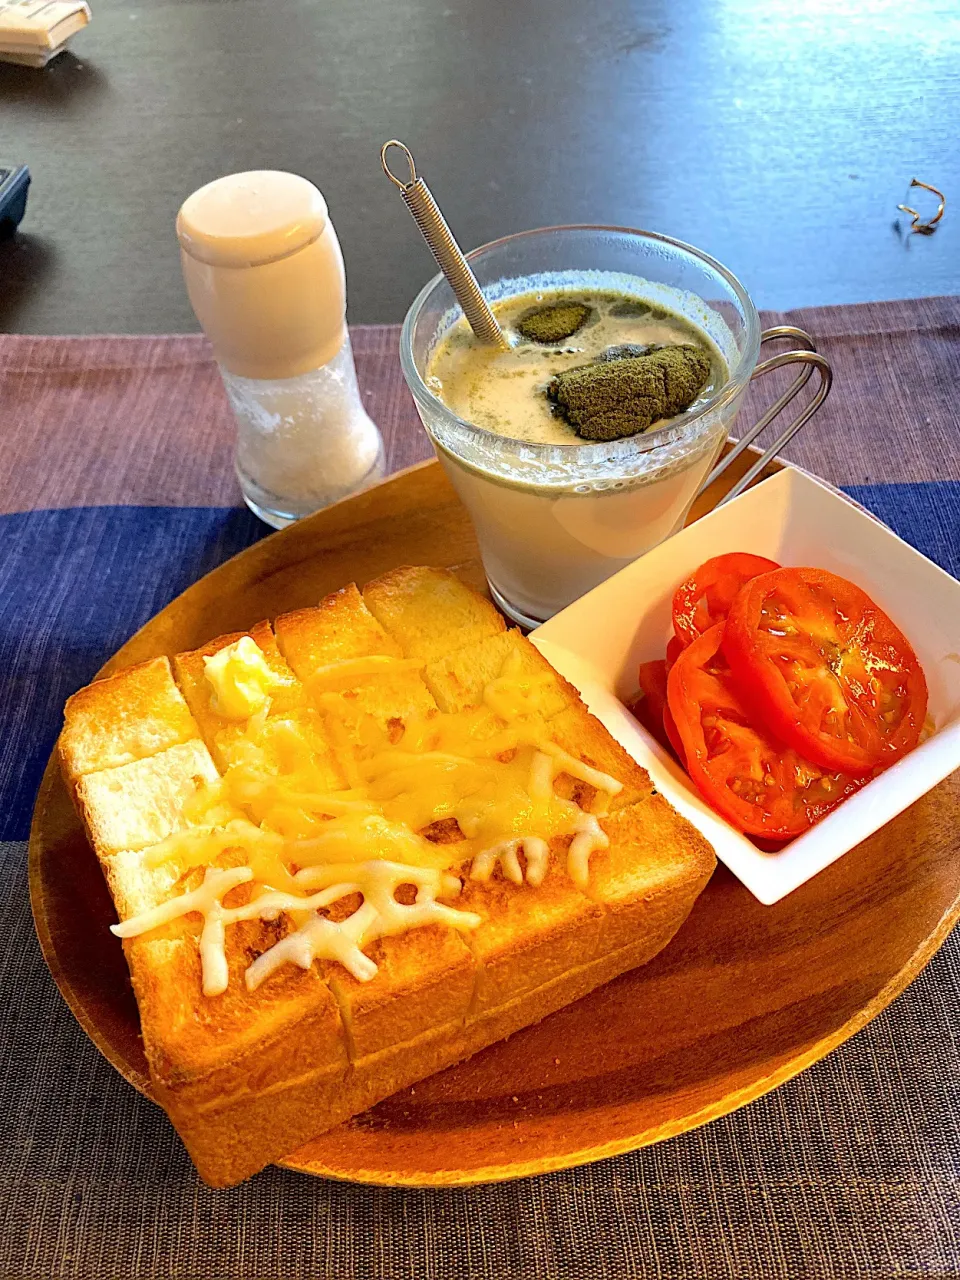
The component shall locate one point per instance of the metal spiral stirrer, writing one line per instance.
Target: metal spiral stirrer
(426, 214)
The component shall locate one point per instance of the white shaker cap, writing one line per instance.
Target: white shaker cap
(264, 273)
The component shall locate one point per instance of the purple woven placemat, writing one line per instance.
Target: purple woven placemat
(89, 421)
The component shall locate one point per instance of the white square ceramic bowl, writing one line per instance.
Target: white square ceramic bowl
(598, 642)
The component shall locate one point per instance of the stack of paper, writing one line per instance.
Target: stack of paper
(34, 31)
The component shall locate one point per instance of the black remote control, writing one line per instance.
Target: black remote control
(13, 197)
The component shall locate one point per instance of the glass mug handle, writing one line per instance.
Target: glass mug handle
(809, 358)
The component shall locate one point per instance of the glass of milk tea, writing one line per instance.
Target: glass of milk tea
(555, 513)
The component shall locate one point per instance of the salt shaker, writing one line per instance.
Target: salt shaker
(265, 277)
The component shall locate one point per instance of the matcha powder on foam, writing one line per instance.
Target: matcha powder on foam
(582, 367)
(612, 399)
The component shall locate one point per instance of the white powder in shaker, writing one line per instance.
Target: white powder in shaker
(308, 440)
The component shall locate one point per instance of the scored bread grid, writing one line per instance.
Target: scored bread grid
(587, 836)
(440, 994)
(305, 658)
(589, 833)
(296, 648)
(315, 685)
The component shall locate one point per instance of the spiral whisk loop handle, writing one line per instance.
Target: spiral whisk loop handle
(424, 210)
(810, 360)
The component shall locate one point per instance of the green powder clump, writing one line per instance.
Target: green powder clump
(555, 323)
(618, 398)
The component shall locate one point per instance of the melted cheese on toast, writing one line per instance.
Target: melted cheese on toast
(490, 771)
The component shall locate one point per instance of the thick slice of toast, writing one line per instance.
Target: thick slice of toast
(249, 1075)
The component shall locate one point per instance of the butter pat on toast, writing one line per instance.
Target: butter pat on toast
(354, 847)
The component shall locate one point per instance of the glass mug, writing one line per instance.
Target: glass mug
(553, 521)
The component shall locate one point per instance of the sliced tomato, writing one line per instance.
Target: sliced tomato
(652, 701)
(761, 786)
(651, 708)
(826, 670)
(653, 681)
(673, 733)
(706, 596)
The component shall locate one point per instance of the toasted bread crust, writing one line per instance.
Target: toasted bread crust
(655, 859)
(139, 804)
(124, 718)
(407, 601)
(340, 627)
(528, 935)
(248, 1077)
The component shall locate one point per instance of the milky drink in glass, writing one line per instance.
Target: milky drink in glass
(556, 513)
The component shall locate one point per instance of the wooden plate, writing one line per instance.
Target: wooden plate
(743, 999)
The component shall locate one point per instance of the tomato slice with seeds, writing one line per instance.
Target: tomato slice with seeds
(707, 595)
(761, 786)
(824, 669)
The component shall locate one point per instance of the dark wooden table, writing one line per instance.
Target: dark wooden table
(778, 136)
